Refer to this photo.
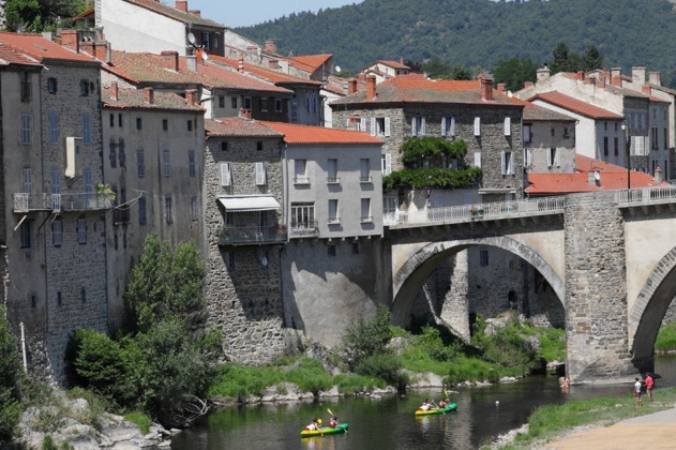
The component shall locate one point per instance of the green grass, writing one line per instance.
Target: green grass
(350, 384)
(666, 338)
(552, 344)
(141, 420)
(549, 421)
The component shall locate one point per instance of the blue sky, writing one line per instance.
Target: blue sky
(234, 13)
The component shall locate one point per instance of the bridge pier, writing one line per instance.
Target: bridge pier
(596, 291)
(455, 308)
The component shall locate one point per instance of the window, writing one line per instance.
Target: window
(25, 234)
(507, 163)
(221, 101)
(194, 209)
(139, 123)
(365, 170)
(86, 129)
(261, 175)
(483, 258)
(380, 126)
(56, 180)
(666, 138)
(192, 169)
(124, 238)
(278, 106)
(165, 124)
(112, 120)
(224, 146)
(331, 249)
(553, 159)
(333, 211)
(34, 301)
(566, 133)
(88, 182)
(366, 210)
(653, 138)
(386, 163)
(605, 127)
(259, 145)
(166, 163)
(616, 145)
(508, 126)
(27, 180)
(84, 88)
(233, 102)
(247, 102)
(303, 215)
(527, 136)
(231, 261)
(140, 163)
(418, 126)
(189, 125)
(52, 85)
(121, 153)
(263, 101)
(355, 248)
(605, 146)
(332, 171)
(57, 233)
(362, 125)
(477, 126)
(83, 295)
(168, 210)
(81, 230)
(300, 167)
(53, 127)
(477, 159)
(25, 87)
(113, 154)
(226, 178)
(142, 219)
(448, 126)
(528, 157)
(119, 120)
(26, 128)
(59, 300)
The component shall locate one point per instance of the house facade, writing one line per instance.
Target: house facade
(548, 139)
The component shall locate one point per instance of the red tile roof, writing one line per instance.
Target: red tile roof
(168, 11)
(9, 55)
(153, 68)
(394, 64)
(309, 63)
(612, 178)
(576, 106)
(41, 49)
(134, 99)
(417, 88)
(270, 75)
(533, 113)
(304, 134)
(238, 127)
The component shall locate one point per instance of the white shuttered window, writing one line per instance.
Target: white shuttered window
(226, 179)
(261, 176)
(477, 126)
(508, 126)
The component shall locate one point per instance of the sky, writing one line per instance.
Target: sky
(235, 13)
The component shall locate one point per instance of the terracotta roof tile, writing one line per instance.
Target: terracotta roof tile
(394, 64)
(238, 127)
(270, 75)
(576, 106)
(134, 99)
(304, 134)
(174, 13)
(39, 48)
(309, 63)
(613, 177)
(9, 55)
(533, 112)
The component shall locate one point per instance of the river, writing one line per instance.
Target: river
(389, 423)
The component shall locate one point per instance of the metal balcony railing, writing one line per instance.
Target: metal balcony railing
(121, 215)
(232, 235)
(85, 202)
(304, 230)
(25, 203)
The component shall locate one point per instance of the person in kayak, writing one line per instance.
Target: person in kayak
(442, 404)
(333, 422)
(314, 425)
(427, 405)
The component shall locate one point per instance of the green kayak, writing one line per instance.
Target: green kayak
(430, 412)
(341, 428)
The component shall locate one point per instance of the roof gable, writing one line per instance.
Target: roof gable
(576, 106)
(173, 13)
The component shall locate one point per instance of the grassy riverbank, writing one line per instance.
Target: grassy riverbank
(666, 338)
(551, 421)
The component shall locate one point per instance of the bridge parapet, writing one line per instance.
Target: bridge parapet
(644, 197)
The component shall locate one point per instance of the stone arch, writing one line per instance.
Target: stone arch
(420, 265)
(649, 309)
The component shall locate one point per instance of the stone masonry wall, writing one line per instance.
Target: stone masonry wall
(596, 297)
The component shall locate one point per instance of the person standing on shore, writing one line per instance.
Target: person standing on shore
(638, 386)
(649, 385)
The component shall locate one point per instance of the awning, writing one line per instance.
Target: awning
(249, 203)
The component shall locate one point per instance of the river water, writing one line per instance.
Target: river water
(389, 424)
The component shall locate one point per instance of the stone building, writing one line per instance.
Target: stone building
(152, 26)
(54, 231)
(153, 147)
(549, 140)
(386, 69)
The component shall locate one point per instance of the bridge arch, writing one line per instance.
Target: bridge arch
(417, 269)
(649, 310)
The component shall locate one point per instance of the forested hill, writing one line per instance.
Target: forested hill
(479, 33)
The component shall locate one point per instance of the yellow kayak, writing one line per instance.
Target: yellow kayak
(341, 428)
(433, 411)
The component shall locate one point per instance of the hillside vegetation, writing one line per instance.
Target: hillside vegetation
(480, 33)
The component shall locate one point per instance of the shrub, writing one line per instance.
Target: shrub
(310, 376)
(666, 338)
(417, 149)
(367, 338)
(385, 366)
(141, 420)
(235, 381)
(350, 384)
(9, 378)
(432, 178)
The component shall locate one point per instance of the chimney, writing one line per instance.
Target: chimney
(191, 97)
(486, 89)
(114, 91)
(109, 53)
(616, 72)
(270, 46)
(579, 75)
(148, 95)
(655, 78)
(240, 65)
(70, 39)
(647, 90)
(182, 5)
(196, 12)
(191, 63)
(659, 175)
(352, 86)
(589, 81)
(543, 73)
(370, 88)
(502, 88)
(401, 60)
(616, 81)
(245, 113)
(601, 82)
(101, 51)
(638, 75)
(528, 84)
(87, 47)
(171, 59)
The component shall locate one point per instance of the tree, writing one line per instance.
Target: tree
(40, 15)
(435, 68)
(561, 59)
(592, 59)
(514, 72)
(9, 380)
(367, 338)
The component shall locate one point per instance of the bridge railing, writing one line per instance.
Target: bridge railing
(646, 196)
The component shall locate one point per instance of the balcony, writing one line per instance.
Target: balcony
(253, 235)
(25, 203)
(304, 230)
(85, 202)
(121, 215)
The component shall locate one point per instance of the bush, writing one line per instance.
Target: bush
(666, 338)
(417, 149)
(350, 384)
(10, 407)
(141, 420)
(367, 338)
(235, 381)
(310, 376)
(385, 366)
(432, 178)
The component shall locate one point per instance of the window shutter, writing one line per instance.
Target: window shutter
(388, 164)
(444, 130)
(388, 127)
(477, 159)
(362, 124)
(503, 165)
(260, 174)
(414, 130)
(452, 132)
(508, 126)
(477, 126)
(526, 134)
(423, 126)
(225, 175)
(510, 163)
(372, 130)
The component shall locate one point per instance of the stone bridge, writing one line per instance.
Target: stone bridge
(610, 258)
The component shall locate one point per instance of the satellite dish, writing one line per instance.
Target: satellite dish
(191, 39)
(338, 69)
